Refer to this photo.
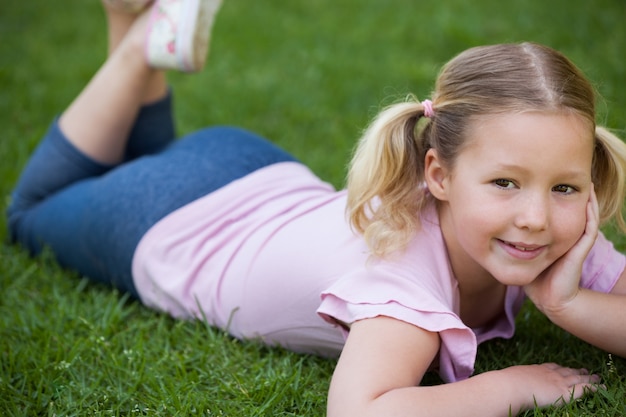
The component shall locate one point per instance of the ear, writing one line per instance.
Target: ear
(436, 175)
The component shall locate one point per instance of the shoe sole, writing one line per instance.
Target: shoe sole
(192, 43)
(192, 23)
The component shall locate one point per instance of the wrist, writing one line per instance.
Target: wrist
(556, 310)
(512, 385)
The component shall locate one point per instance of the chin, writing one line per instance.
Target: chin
(513, 281)
(516, 278)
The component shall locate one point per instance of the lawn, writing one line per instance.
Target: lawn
(309, 75)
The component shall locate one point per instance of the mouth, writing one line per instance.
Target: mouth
(520, 250)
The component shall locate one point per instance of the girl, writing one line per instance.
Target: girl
(457, 209)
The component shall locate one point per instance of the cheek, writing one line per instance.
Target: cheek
(483, 214)
(570, 225)
(476, 221)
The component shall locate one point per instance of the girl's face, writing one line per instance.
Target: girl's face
(515, 201)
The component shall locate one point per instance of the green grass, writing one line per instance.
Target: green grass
(309, 75)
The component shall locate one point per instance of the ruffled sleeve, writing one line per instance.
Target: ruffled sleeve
(418, 289)
(371, 294)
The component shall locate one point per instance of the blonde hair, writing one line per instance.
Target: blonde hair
(386, 190)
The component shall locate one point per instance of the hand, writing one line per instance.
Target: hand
(549, 384)
(558, 285)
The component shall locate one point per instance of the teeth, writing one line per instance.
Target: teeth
(521, 248)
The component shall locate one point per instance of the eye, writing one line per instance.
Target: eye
(564, 189)
(504, 183)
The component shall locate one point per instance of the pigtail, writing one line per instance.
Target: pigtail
(385, 193)
(609, 176)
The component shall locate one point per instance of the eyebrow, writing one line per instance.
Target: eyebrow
(571, 174)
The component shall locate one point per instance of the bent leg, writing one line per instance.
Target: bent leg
(99, 120)
(94, 225)
(106, 124)
(56, 163)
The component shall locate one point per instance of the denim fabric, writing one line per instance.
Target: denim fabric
(92, 216)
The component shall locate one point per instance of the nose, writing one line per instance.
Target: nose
(533, 211)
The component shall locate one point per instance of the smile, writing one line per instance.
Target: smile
(520, 250)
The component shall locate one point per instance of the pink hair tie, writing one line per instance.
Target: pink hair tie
(428, 108)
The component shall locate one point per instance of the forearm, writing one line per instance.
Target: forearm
(375, 377)
(597, 318)
(489, 394)
(496, 393)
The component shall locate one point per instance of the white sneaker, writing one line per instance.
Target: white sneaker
(178, 33)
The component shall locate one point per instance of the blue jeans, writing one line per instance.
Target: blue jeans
(92, 216)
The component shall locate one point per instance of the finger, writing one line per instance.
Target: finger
(584, 388)
(552, 366)
(588, 379)
(580, 378)
(577, 391)
(572, 372)
(569, 372)
(593, 197)
(592, 225)
(593, 378)
(593, 208)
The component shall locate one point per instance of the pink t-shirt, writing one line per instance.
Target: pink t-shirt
(271, 256)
